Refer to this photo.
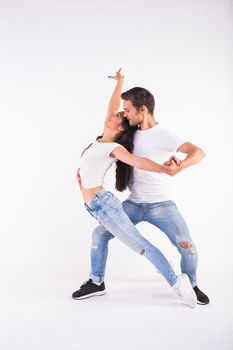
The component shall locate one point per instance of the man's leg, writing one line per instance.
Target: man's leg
(168, 219)
(99, 253)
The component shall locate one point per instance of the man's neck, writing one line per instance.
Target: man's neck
(148, 123)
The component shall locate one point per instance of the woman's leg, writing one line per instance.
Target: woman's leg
(100, 240)
(112, 216)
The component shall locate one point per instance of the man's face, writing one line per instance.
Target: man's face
(134, 117)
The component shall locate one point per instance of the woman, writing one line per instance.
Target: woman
(115, 145)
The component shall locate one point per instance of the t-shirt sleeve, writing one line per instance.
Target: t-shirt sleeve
(174, 141)
(111, 147)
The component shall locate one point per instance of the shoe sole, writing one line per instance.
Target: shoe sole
(192, 303)
(202, 303)
(188, 303)
(96, 294)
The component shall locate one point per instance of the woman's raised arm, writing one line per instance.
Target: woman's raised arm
(114, 103)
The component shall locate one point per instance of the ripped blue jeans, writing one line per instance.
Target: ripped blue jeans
(108, 210)
(116, 222)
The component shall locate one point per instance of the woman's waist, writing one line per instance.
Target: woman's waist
(102, 199)
(89, 193)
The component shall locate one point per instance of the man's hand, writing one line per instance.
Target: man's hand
(173, 159)
(172, 166)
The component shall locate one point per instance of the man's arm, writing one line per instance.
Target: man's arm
(194, 155)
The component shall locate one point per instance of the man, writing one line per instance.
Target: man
(150, 199)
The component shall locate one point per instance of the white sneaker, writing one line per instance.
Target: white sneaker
(184, 290)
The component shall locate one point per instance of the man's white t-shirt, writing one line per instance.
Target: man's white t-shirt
(157, 144)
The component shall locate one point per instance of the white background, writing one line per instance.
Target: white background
(55, 57)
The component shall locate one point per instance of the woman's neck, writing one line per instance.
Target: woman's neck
(109, 135)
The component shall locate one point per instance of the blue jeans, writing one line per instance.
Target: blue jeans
(108, 210)
(163, 215)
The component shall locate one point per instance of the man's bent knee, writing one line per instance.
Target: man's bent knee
(185, 245)
(191, 250)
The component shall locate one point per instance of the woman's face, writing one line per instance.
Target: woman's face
(115, 121)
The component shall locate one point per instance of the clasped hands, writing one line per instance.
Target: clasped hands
(172, 166)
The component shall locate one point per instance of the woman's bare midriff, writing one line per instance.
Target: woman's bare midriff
(89, 193)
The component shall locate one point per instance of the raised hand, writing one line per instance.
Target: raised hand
(118, 77)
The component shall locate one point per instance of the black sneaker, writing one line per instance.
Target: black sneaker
(89, 289)
(202, 298)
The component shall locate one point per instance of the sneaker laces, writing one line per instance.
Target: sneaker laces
(85, 283)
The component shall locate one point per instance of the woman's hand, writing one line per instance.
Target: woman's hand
(78, 177)
(118, 77)
(172, 166)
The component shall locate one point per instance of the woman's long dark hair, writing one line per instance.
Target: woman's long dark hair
(124, 172)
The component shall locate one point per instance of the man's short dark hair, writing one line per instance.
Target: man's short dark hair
(140, 97)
